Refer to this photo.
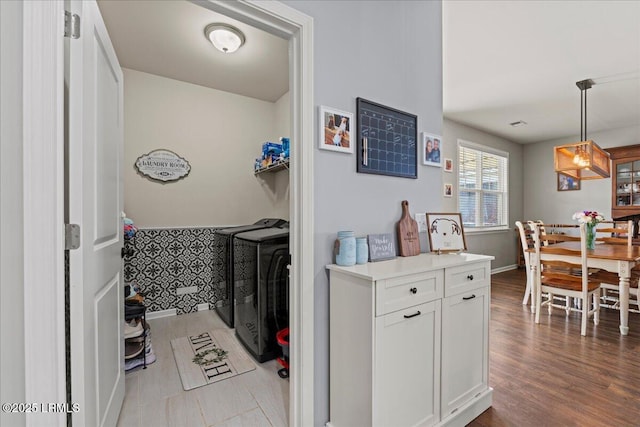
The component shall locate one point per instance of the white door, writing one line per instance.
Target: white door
(94, 192)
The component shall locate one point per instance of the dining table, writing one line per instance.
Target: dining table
(618, 259)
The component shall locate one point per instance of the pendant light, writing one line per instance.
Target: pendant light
(584, 159)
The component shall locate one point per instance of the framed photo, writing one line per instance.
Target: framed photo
(431, 149)
(567, 183)
(336, 130)
(445, 232)
(448, 190)
(448, 165)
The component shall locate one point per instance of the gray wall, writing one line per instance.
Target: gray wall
(355, 57)
(544, 202)
(200, 124)
(12, 386)
(500, 244)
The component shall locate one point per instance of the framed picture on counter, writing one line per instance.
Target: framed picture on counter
(446, 233)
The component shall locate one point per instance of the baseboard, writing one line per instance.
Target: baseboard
(469, 411)
(466, 413)
(162, 313)
(172, 312)
(503, 269)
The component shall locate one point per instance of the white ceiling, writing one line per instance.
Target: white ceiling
(519, 60)
(503, 60)
(166, 38)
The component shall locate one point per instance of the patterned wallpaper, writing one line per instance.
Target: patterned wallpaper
(174, 268)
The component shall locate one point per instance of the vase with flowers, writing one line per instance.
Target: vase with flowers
(590, 219)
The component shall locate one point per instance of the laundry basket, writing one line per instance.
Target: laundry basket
(283, 341)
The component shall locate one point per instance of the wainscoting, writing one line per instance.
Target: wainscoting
(175, 268)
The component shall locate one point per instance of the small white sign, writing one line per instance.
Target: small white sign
(163, 165)
(381, 247)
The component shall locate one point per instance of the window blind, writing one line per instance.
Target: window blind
(483, 196)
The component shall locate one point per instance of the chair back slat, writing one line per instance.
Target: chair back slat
(615, 232)
(552, 238)
(541, 228)
(558, 271)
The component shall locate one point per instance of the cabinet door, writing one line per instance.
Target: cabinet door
(465, 348)
(407, 359)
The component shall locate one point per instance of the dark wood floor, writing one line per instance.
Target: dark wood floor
(549, 375)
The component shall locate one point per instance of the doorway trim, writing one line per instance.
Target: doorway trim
(43, 204)
(43, 187)
(281, 20)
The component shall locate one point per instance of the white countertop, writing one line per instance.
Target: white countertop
(400, 266)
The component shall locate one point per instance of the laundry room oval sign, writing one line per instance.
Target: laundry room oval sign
(163, 165)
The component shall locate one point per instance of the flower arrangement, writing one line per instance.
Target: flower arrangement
(588, 217)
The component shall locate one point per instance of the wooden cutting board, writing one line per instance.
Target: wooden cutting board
(407, 228)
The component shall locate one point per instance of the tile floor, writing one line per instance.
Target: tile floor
(155, 397)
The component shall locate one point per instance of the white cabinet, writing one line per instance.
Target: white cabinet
(409, 341)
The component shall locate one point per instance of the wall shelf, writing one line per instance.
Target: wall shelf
(274, 167)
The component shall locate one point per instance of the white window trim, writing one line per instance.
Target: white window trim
(490, 150)
(486, 230)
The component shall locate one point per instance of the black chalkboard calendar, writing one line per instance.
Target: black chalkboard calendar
(386, 140)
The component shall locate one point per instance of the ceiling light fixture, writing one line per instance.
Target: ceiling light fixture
(584, 159)
(224, 37)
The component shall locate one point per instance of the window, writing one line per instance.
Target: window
(483, 187)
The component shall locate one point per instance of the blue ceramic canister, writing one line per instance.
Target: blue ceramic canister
(345, 248)
(362, 250)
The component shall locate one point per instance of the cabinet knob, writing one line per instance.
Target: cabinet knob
(413, 290)
(470, 277)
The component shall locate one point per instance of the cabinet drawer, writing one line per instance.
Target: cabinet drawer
(465, 277)
(406, 291)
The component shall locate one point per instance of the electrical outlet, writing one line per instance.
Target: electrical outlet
(421, 219)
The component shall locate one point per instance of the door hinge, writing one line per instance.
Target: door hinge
(71, 236)
(71, 25)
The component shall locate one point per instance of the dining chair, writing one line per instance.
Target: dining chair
(616, 233)
(557, 233)
(556, 276)
(526, 241)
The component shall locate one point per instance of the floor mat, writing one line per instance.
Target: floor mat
(209, 357)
